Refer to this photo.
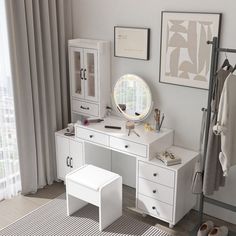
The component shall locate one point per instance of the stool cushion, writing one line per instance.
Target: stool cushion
(91, 176)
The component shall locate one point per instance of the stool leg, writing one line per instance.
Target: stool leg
(110, 208)
(74, 204)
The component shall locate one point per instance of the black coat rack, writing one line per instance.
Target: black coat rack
(214, 61)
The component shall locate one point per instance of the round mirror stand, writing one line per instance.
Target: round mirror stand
(132, 97)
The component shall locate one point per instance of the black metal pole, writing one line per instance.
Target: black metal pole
(214, 58)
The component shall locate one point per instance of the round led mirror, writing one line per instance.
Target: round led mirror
(132, 97)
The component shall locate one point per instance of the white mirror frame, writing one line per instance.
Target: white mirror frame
(123, 114)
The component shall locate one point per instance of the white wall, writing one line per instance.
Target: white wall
(182, 106)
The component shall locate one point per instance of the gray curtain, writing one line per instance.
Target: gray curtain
(38, 32)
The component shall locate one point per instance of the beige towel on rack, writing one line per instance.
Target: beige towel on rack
(227, 124)
(213, 174)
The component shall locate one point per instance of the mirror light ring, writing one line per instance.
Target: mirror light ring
(148, 92)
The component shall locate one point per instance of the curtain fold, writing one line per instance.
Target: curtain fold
(39, 30)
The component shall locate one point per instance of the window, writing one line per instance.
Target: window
(9, 162)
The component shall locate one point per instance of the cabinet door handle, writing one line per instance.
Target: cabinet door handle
(85, 108)
(71, 163)
(155, 174)
(80, 74)
(67, 161)
(153, 208)
(90, 136)
(85, 74)
(154, 191)
(126, 146)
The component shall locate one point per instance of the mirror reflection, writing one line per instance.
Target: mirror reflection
(132, 97)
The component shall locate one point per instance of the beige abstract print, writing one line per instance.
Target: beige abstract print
(186, 56)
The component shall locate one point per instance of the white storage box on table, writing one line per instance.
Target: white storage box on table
(102, 188)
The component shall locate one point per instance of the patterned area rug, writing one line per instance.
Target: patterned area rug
(51, 219)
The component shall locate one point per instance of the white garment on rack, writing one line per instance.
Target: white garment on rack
(226, 124)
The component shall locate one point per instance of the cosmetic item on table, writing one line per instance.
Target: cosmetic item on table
(90, 121)
(162, 119)
(112, 127)
(130, 127)
(148, 127)
(159, 119)
(69, 134)
(108, 110)
(70, 130)
(168, 158)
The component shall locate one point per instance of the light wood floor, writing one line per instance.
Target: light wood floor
(13, 209)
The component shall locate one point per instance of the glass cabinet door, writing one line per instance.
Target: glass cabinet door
(90, 74)
(76, 70)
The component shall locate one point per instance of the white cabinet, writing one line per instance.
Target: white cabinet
(69, 154)
(89, 65)
(160, 189)
(62, 155)
(84, 73)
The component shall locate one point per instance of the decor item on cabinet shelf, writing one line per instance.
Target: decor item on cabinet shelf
(168, 158)
(131, 42)
(185, 57)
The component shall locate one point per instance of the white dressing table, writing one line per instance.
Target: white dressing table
(160, 189)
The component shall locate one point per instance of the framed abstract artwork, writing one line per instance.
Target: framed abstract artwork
(131, 42)
(185, 57)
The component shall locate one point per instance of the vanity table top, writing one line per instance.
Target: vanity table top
(146, 137)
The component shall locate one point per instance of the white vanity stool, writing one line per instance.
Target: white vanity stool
(102, 188)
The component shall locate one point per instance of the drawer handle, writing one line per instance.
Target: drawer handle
(71, 163)
(85, 108)
(85, 74)
(154, 191)
(67, 161)
(155, 174)
(91, 136)
(80, 74)
(126, 146)
(154, 208)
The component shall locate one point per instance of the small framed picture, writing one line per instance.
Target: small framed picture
(131, 42)
(185, 57)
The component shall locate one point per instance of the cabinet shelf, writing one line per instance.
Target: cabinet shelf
(89, 75)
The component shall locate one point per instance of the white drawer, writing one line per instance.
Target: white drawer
(92, 136)
(82, 192)
(128, 146)
(157, 191)
(155, 207)
(156, 174)
(85, 107)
